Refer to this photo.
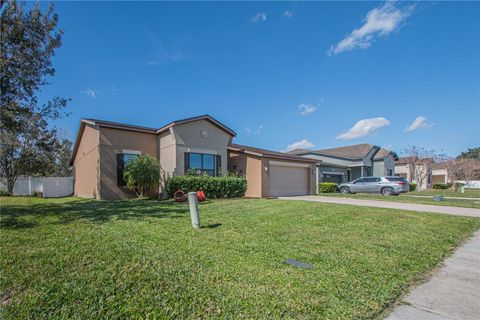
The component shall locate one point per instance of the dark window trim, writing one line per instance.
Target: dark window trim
(217, 165)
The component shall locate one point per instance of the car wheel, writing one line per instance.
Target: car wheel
(387, 191)
(344, 190)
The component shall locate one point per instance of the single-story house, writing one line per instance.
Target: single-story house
(203, 144)
(432, 172)
(345, 164)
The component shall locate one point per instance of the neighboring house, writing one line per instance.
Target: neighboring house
(431, 172)
(440, 174)
(103, 148)
(420, 174)
(348, 163)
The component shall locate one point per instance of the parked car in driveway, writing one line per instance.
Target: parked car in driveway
(387, 186)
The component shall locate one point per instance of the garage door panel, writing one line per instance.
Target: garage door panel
(288, 181)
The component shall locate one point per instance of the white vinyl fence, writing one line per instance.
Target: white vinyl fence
(475, 184)
(50, 187)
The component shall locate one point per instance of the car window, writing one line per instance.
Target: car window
(361, 180)
(395, 179)
(371, 179)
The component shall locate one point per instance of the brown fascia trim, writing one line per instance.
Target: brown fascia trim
(266, 154)
(202, 117)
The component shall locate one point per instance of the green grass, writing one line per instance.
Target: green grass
(465, 203)
(73, 258)
(469, 193)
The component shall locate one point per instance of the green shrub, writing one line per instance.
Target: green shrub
(4, 193)
(413, 186)
(214, 187)
(327, 187)
(142, 174)
(38, 194)
(439, 186)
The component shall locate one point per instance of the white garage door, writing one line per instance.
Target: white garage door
(288, 181)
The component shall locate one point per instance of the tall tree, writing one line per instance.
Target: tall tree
(473, 153)
(27, 44)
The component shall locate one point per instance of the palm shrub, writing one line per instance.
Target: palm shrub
(142, 174)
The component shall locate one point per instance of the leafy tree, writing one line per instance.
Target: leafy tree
(421, 161)
(473, 153)
(27, 44)
(60, 164)
(142, 174)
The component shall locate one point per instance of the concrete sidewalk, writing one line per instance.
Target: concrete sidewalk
(452, 293)
(457, 211)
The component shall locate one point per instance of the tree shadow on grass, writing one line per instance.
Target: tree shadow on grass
(94, 211)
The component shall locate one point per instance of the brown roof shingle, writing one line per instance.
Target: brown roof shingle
(270, 153)
(357, 151)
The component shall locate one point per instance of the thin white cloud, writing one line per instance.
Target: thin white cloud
(256, 131)
(419, 122)
(113, 89)
(92, 93)
(379, 22)
(161, 54)
(364, 127)
(288, 14)
(306, 109)
(301, 144)
(259, 17)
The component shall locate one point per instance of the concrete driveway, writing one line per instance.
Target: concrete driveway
(456, 211)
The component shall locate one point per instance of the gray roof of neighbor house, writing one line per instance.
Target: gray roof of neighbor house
(268, 153)
(353, 152)
(130, 127)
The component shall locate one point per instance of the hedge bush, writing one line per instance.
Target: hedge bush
(327, 187)
(214, 187)
(413, 186)
(439, 186)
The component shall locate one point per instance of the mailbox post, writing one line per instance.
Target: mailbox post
(193, 201)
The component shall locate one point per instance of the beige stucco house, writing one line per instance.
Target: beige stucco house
(203, 144)
(424, 175)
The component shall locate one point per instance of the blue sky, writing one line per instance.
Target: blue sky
(319, 75)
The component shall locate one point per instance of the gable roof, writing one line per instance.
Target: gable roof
(383, 153)
(197, 118)
(136, 128)
(269, 153)
(353, 152)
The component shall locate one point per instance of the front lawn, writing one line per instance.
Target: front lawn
(407, 198)
(73, 258)
(469, 193)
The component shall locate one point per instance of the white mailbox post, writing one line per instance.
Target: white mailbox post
(193, 201)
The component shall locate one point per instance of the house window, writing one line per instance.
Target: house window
(122, 160)
(203, 163)
(389, 172)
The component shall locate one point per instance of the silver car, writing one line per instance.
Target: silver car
(387, 186)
